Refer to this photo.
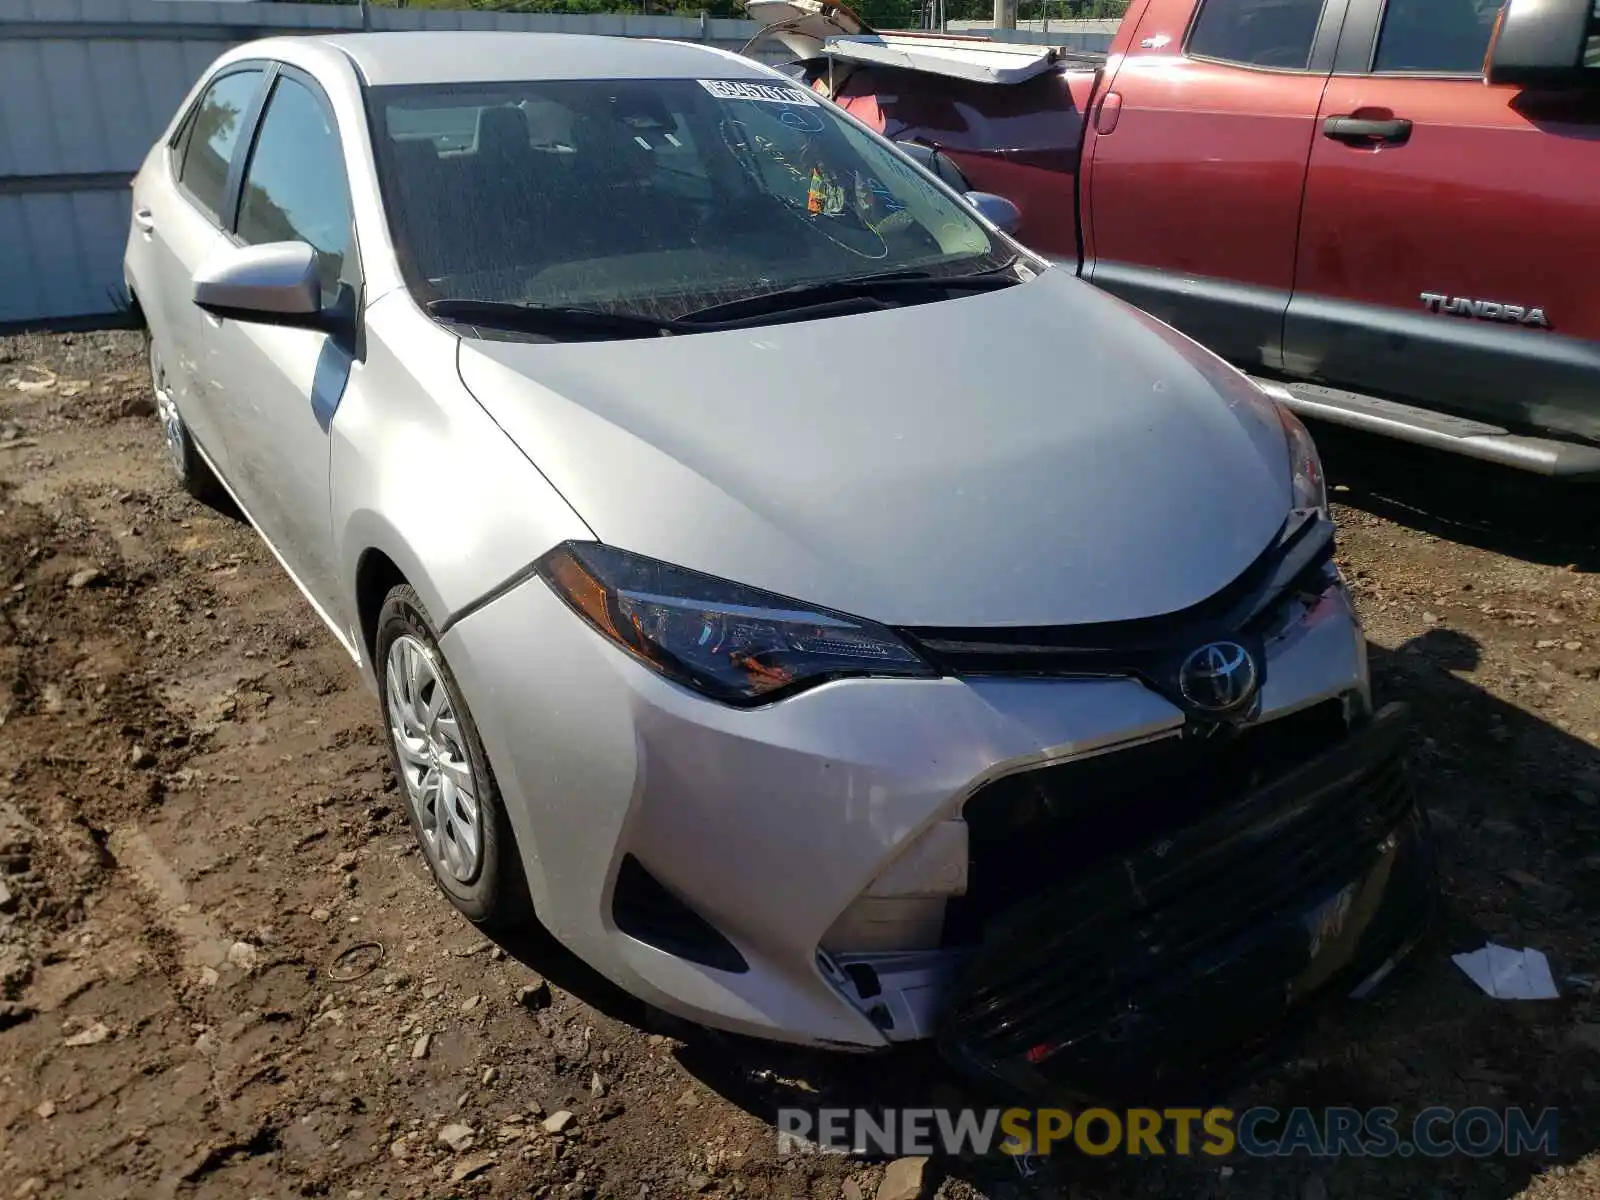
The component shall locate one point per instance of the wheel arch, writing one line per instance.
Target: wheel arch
(381, 558)
(131, 306)
(376, 576)
(384, 563)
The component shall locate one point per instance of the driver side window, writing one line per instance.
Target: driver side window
(295, 187)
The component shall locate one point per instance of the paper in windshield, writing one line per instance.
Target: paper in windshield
(763, 93)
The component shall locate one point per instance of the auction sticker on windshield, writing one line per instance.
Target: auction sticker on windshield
(765, 93)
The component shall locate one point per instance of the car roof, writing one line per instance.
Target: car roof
(489, 56)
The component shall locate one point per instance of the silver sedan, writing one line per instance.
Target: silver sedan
(772, 575)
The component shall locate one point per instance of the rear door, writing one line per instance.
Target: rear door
(1196, 162)
(180, 206)
(1441, 257)
(283, 385)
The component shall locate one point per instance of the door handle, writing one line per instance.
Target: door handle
(1105, 117)
(144, 220)
(1395, 131)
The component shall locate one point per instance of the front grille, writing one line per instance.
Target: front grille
(1193, 945)
(1028, 832)
(1299, 561)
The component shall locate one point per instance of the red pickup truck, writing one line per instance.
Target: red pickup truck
(1391, 210)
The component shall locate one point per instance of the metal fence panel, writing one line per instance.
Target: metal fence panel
(86, 86)
(61, 253)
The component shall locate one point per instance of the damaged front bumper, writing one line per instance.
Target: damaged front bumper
(1165, 966)
(822, 870)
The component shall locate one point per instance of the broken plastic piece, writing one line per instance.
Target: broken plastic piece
(1509, 974)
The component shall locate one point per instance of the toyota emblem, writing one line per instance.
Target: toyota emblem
(1219, 677)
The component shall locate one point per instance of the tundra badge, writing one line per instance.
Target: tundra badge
(1484, 310)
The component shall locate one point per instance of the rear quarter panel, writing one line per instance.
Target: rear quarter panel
(153, 178)
(138, 268)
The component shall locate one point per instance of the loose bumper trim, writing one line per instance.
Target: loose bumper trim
(1156, 970)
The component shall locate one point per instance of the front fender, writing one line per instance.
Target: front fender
(422, 475)
(368, 535)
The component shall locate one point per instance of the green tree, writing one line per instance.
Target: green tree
(889, 14)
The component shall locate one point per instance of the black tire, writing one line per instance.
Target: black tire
(495, 893)
(194, 476)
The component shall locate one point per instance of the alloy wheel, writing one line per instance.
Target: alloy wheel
(435, 768)
(167, 413)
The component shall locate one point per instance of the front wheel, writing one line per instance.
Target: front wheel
(451, 799)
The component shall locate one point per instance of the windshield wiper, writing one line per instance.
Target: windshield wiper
(552, 319)
(844, 293)
(822, 291)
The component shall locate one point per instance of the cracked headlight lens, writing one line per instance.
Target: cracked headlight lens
(1310, 486)
(1305, 464)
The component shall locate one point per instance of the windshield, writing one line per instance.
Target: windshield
(654, 197)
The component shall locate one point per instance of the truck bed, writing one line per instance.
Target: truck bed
(1021, 140)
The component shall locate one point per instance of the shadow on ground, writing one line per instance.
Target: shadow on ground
(1478, 504)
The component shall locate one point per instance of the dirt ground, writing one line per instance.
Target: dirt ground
(224, 972)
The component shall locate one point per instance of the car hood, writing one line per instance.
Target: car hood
(1039, 455)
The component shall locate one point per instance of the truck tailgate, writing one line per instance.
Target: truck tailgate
(1020, 140)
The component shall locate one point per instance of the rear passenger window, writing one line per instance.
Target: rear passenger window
(213, 134)
(1445, 36)
(1256, 33)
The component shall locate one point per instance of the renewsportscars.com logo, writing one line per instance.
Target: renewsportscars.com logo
(1262, 1132)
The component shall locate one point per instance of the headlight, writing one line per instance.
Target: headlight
(1305, 464)
(731, 642)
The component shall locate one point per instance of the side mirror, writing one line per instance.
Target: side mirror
(273, 284)
(999, 211)
(1541, 43)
